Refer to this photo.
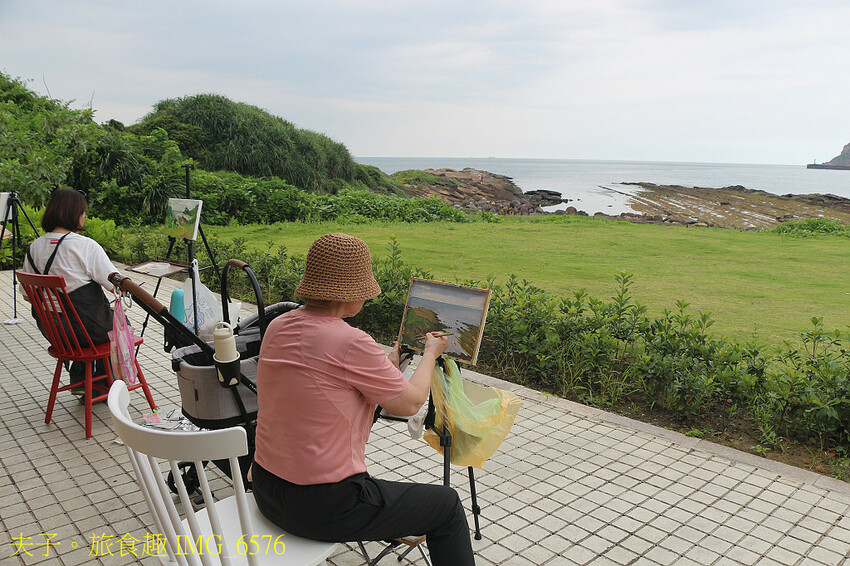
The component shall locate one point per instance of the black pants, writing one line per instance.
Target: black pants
(362, 508)
(77, 370)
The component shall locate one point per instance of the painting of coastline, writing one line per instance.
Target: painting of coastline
(442, 307)
(183, 217)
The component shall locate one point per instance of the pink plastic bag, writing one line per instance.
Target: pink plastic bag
(121, 346)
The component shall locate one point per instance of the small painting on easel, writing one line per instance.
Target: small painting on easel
(5, 214)
(183, 217)
(455, 310)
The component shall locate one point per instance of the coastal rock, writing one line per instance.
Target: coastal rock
(475, 190)
(731, 207)
(545, 197)
(736, 206)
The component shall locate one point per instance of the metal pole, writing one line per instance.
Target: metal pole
(192, 271)
(188, 167)
(10, 209)
(476, 510)
(13, 205)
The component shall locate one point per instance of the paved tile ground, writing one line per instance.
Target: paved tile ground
(571, 485)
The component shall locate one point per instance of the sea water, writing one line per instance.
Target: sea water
(596, 186)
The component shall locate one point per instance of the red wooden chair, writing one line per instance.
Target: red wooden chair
(59, 318)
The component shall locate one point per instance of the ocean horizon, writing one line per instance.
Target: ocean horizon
(597, 185)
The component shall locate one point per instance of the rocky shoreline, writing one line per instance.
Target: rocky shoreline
(475, 190)
(735, 207)
(731, 207)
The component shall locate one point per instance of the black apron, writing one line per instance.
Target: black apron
(90, 303)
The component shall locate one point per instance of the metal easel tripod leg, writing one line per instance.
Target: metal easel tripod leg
(445, 436)
(13, 205)
(446, 443)
(191, 256)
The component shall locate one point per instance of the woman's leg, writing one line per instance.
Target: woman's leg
(415, 509)
(362, 508)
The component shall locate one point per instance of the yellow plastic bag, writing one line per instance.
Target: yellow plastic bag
(479, 418)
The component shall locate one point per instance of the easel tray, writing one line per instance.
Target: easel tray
(159, 268)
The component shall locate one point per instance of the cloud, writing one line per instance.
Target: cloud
(618, 79)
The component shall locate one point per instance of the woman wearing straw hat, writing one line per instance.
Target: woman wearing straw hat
(319, 381)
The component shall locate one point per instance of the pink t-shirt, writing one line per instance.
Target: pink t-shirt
(318, 382)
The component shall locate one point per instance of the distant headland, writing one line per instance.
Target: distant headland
(839, 162)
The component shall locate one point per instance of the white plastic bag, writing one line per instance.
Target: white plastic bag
(209, 309)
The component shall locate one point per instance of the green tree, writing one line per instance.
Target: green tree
(221, 134)
(43, 143)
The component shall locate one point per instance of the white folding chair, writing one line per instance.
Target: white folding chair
(230, 531)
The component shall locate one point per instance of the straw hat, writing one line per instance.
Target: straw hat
(339, 268)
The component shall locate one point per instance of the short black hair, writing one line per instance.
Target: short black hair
(64, 210)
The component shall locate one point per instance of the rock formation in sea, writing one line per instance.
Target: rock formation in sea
(842, 160)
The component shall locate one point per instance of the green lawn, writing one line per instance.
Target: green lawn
(753, 283)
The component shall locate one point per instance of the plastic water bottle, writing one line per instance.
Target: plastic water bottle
(176, 307)
(226, 357)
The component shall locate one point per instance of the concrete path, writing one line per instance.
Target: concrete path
(571, 485)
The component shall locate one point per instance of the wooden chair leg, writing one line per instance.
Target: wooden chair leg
(144, 384)
(97, 385)
(53, 391)
(107, 368)
(88, 399)
(93, 391)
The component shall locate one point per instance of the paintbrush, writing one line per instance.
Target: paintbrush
(436, 334)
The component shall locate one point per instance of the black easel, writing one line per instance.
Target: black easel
(190, 243)
(445, 439)
(13, 205)
(446, 442)
(190, 249)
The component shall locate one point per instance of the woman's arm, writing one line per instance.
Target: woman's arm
(100, 266)
(419, 386)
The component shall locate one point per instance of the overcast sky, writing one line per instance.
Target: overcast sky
(728, 81)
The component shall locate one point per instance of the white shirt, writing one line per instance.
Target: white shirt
(79, 260)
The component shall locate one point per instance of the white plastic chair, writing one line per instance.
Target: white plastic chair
(234, 525)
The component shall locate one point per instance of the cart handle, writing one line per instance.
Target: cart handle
(158, 310)
(255, 285)
(125, 283)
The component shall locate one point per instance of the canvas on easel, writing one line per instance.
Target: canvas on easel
(457, 310)
(5, 213)
(183, 218)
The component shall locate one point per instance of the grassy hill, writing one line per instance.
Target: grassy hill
(221, 134)
(129, 172)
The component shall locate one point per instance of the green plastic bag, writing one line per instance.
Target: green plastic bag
(478, 418)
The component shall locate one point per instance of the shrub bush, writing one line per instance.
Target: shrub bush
(812, 227)
(606, 353)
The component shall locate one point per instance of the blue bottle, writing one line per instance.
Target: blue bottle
(176, 307)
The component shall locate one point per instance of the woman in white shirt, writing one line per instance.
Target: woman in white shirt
(81, 261)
